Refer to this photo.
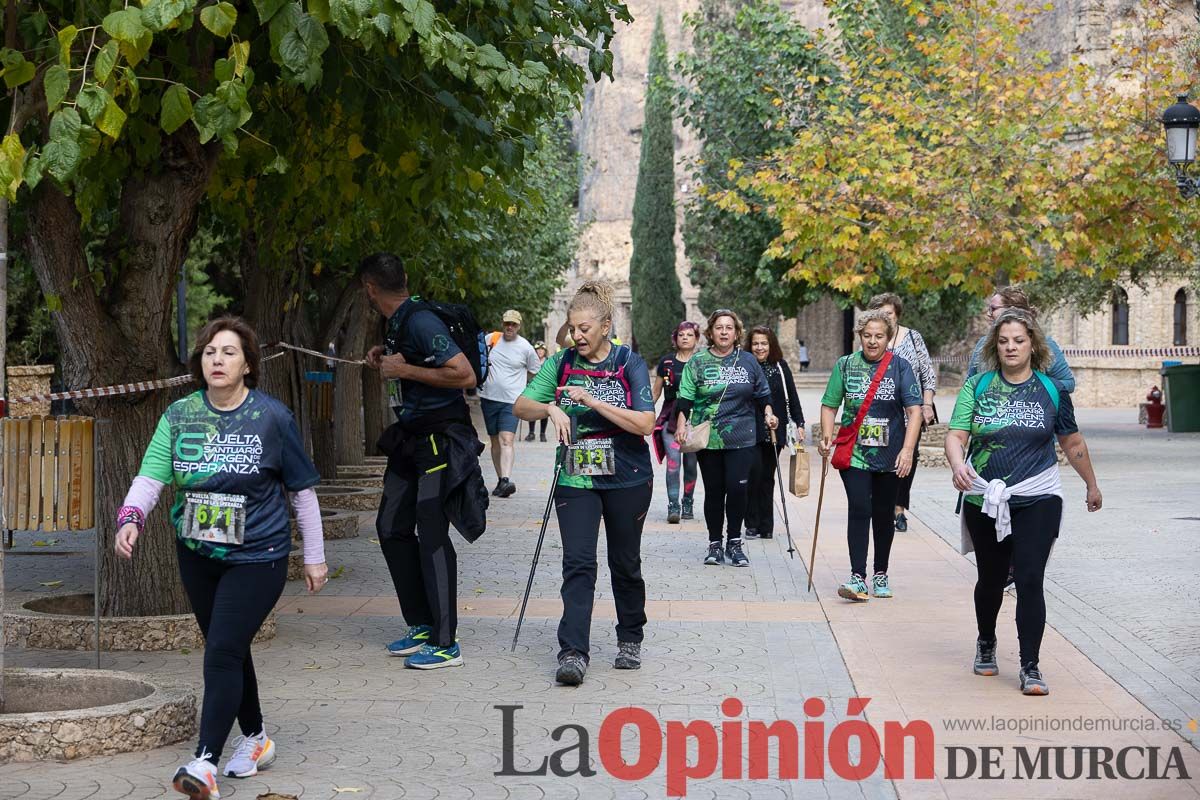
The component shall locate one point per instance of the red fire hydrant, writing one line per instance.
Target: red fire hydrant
(1154, 408)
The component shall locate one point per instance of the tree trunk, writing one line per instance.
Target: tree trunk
(122, 336)
(377, 413)
(348, 386)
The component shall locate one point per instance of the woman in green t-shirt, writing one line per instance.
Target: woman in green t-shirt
(724, 386)
(883, 450)
(604, 389)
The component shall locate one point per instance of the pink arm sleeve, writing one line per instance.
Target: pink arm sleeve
(143, 494)
(308, 519)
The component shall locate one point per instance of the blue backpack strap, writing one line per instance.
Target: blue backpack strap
(985, 380)
(1051, 387)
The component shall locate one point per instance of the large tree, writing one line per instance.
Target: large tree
(657, 298)
(126, 118)
(981, 161)
(745, 90)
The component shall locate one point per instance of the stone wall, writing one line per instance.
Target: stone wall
(821, 326)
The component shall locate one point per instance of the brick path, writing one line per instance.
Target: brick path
(347, 717)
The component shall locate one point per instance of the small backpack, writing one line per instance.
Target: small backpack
(464, 330)
(566, 370)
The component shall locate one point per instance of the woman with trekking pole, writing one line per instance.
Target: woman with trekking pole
(877, 390)
(239, 469)
(1011, 482)
(760, 505)
(604, 388)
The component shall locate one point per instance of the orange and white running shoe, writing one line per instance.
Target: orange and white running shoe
(197, 779)
(251, 753)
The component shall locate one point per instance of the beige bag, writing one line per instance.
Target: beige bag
(800, 469)
(697, 438)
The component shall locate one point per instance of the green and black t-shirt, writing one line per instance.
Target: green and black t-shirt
(632, 455)
(1012, 427)
(254, 451)
(726, 392)
(881, 436)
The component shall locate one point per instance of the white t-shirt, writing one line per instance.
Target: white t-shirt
(508, 366)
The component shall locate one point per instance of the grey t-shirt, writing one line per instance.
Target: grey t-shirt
(509, 365)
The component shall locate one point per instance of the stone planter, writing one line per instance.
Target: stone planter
(349, 498)
(25, 381)
(64, 622)
(361, 471)
(935, 435)
(358, 483)
(62, 714)
(335, 524)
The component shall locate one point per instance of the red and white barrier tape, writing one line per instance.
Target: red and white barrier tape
(139, 387)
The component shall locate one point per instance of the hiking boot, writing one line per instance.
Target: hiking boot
(985, 658)
(414, 640)
(572, 666)
(629, 655)
(879, 586)
(543, 435)
(1032, 682)
(854, 589)
(505, 488)
(251, 754)
(901, 522)
(197, 779)
(687, 508)
(716, 555)
(430, 656)
(673, 513)
(530, 437)
(733, 551)
(750, 533)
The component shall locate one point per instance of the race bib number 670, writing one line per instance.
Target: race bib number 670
(874, 432)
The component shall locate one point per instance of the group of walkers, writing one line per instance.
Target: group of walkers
(236, 461)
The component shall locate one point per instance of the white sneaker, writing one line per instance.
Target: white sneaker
(197, 779)
(251, 753)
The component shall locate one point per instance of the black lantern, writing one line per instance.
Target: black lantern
(1181, 123)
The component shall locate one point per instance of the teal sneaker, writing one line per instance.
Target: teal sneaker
(854, 589)
(417, 636)
(430, 656)
(880, 585)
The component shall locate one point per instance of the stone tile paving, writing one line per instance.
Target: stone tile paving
(348, 717)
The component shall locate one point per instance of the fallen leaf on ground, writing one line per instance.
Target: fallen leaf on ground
(479, 591)
(351, 790)
(313, 666)
(185, 650)
(276, 796)
(45, 543)
(51, 584)
(373, 541)
(337, 573)
(468, 608)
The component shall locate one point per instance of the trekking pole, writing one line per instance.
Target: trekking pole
(812, 559)
(783, 499)
(537, 552)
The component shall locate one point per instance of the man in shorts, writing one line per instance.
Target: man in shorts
(511, 363)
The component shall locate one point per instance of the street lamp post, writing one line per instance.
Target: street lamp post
(1180, 122)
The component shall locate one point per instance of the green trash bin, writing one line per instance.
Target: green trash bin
(1182, 390)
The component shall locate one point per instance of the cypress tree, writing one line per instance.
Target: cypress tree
(657, 298)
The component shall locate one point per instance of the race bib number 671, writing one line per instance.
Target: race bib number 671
(215, 517)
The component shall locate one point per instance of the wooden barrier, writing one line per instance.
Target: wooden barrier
(49, 474)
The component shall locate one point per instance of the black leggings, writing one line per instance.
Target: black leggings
(726, 476)
(1027, 549)
(579, 515)
(872, 498)
(760, 497)
(230, 602)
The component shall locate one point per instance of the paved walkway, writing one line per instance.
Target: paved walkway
(352, 723)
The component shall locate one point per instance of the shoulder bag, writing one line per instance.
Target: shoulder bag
(847, 436)
(698, 435)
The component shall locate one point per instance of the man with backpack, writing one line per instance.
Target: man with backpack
(432, 475)
(511, 363)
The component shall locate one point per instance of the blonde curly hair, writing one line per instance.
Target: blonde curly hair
(594, 296)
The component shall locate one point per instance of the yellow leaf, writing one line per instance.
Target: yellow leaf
(474, 180)
(355, 147)
(239, 54)
(409, 163)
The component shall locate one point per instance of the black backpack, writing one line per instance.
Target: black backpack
(464, 330)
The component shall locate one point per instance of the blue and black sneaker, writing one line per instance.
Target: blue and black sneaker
(417, 636)
(430, 656)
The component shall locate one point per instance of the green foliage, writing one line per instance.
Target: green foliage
(746, 88)
(210, 256)
(31, 338)
(657, 298)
